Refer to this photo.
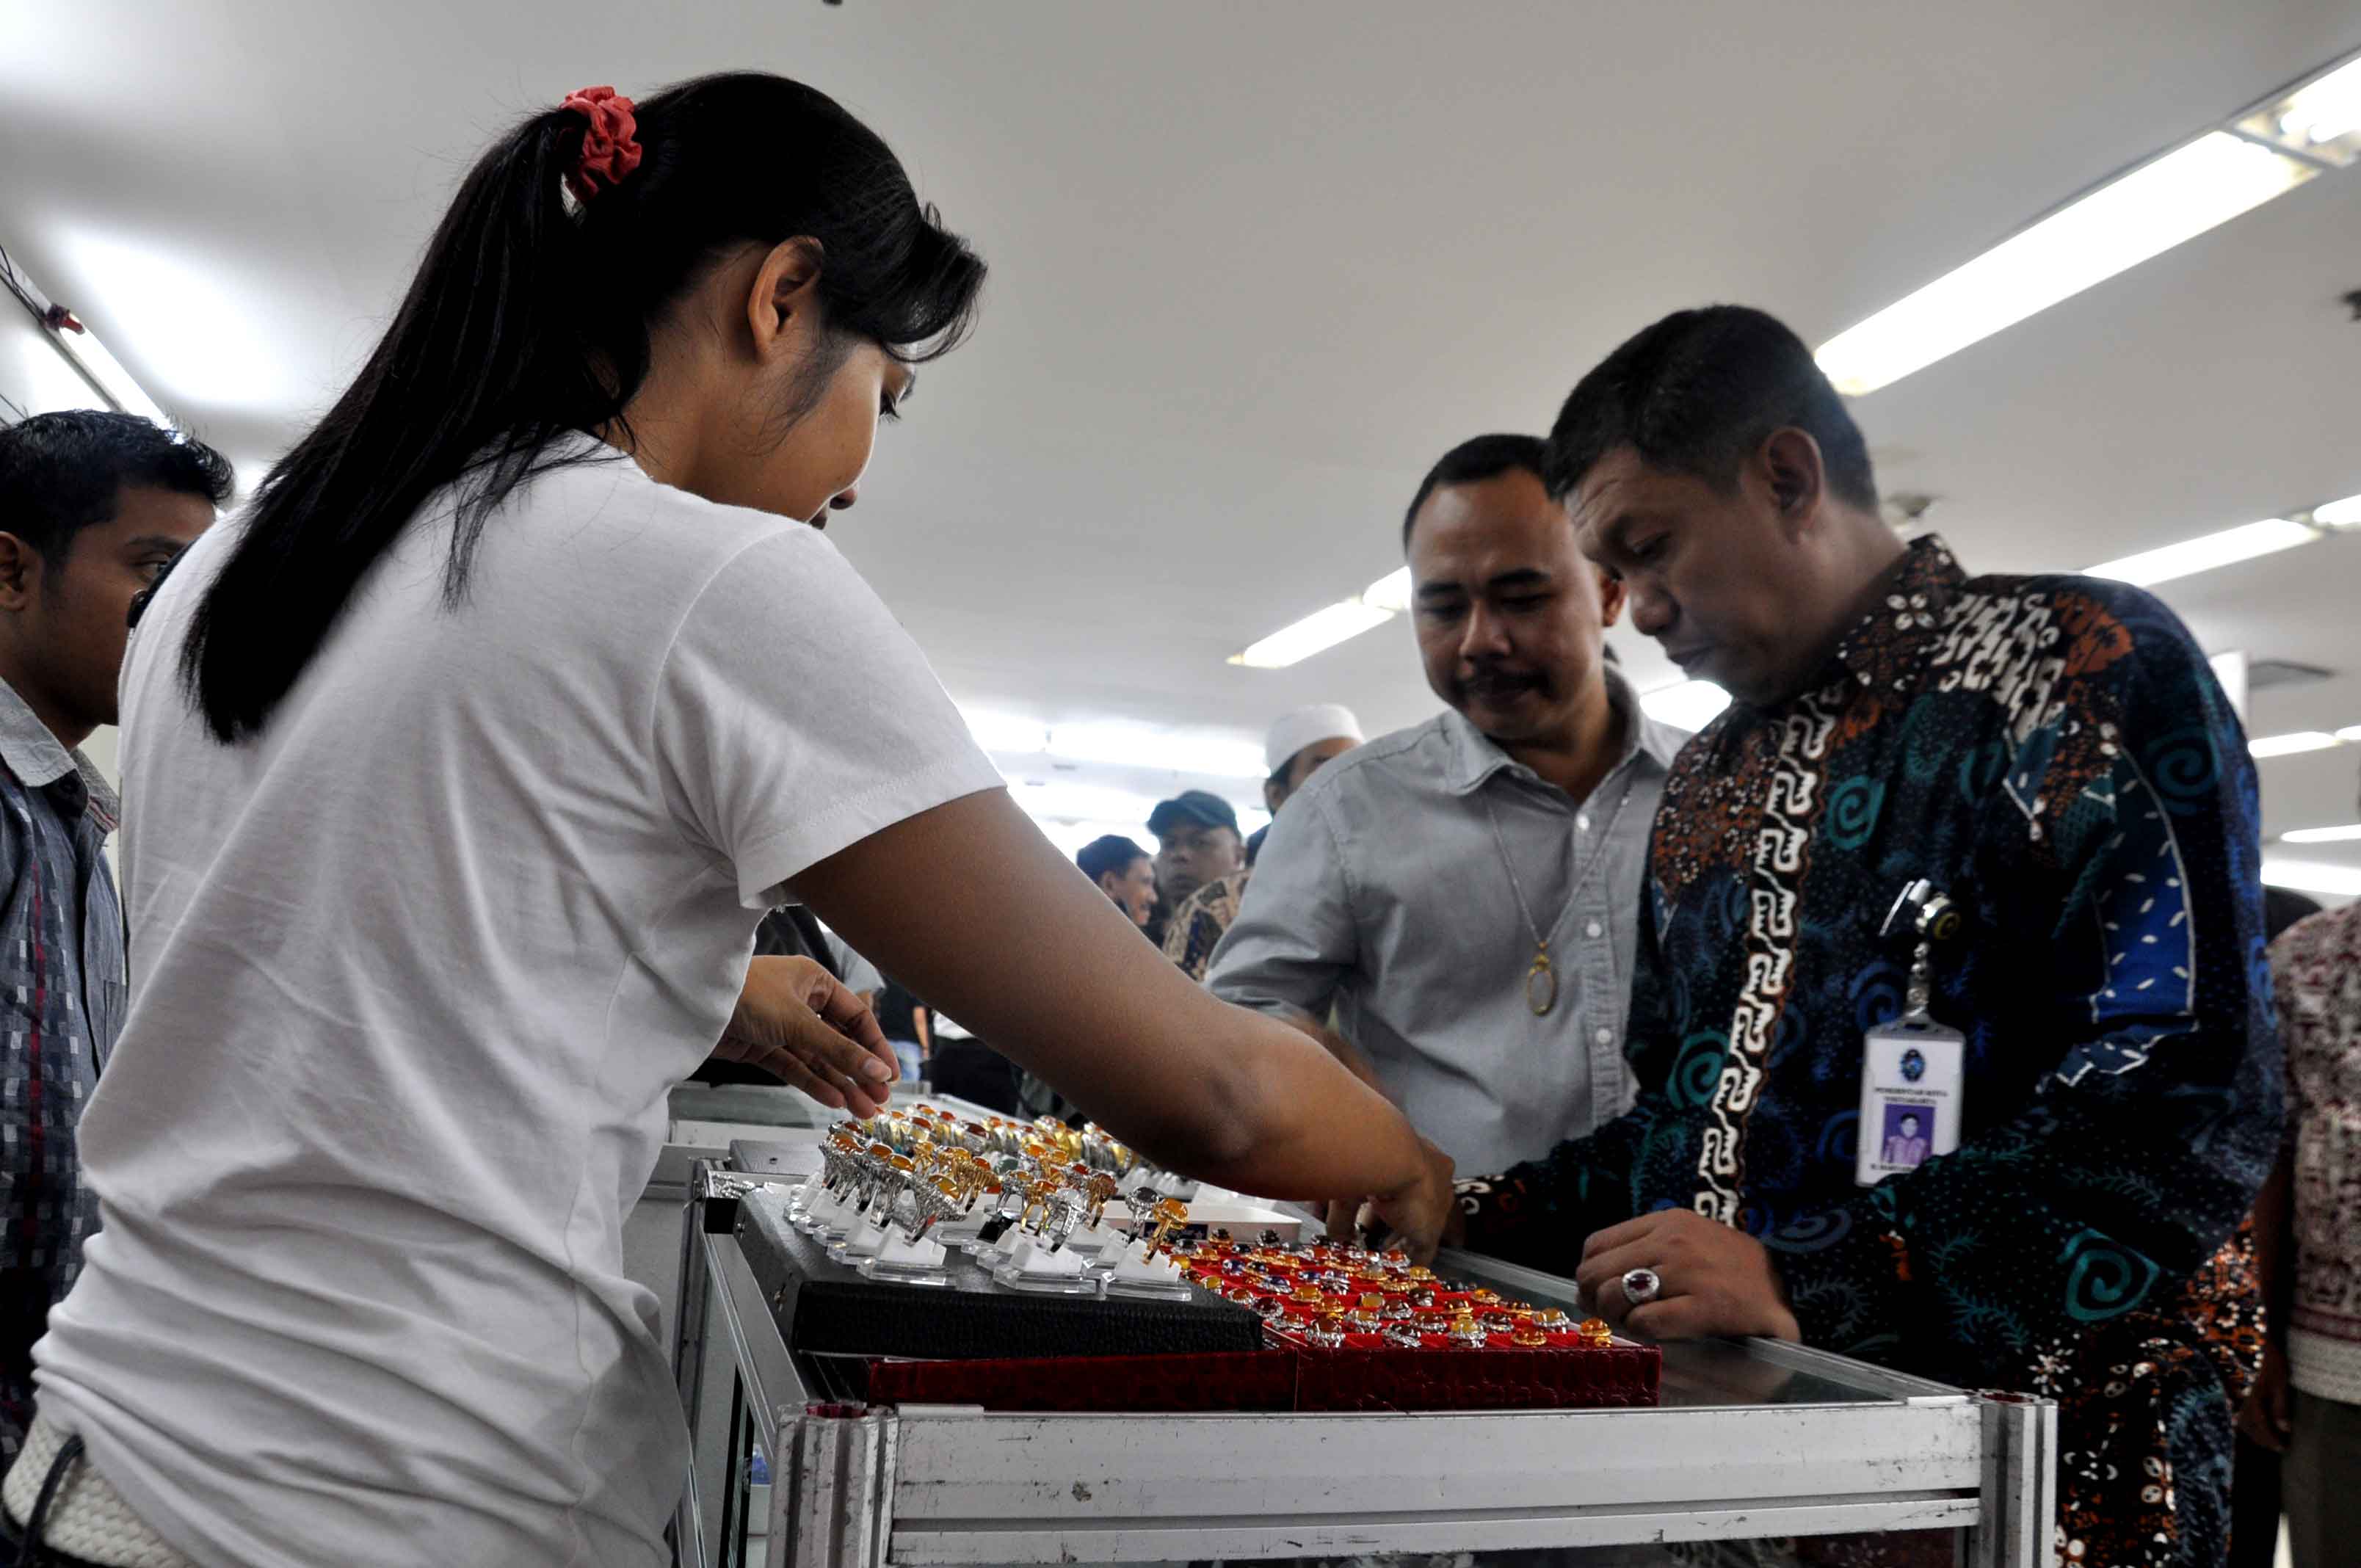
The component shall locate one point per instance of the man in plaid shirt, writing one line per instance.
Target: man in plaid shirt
(93, 509)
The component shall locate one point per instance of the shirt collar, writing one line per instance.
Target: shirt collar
(34, 755)
(1476, 756)
(1889, 641)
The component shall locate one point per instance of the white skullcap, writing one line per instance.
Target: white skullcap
(1294, 731)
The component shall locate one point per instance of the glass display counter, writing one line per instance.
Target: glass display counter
(1752, 1439)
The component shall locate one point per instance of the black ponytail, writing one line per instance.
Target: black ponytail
(530, 317)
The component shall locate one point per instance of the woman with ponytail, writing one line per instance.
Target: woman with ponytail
(461, 768)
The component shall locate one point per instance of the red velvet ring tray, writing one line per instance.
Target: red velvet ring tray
(1289, 1376)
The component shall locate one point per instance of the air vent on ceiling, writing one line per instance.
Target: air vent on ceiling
(2265, 673)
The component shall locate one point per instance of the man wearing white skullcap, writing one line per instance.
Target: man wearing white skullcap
(1298, 742)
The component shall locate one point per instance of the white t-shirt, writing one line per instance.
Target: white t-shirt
(411, 976)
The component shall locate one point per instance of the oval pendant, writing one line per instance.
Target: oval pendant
(1541, 987)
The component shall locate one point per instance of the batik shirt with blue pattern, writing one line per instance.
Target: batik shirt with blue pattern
(2053, 754)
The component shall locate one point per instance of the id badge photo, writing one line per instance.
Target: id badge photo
(1911, 1072)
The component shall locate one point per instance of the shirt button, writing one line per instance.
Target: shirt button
(1605, 1035)
(1582, 822)
(1593, 929)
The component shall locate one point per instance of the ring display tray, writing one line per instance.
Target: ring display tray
(826, 1307)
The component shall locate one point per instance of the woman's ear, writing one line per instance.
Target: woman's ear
(782, 303)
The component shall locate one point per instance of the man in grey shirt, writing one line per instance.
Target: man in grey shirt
(1463, 893)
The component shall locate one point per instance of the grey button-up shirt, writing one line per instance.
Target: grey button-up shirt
(1382, 892)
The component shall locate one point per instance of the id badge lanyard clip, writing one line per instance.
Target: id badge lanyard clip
(1911, 1069)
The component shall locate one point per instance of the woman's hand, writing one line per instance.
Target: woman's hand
(796, 1021)
(1417, 1213)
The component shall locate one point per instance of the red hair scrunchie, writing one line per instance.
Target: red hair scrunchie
(609, 150)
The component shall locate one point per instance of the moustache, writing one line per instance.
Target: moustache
(1491, 683)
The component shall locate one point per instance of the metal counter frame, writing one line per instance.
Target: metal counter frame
(932, 1484)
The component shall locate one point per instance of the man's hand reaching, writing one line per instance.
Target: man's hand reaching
(794, 1020)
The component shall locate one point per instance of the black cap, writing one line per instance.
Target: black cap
(1201, 806)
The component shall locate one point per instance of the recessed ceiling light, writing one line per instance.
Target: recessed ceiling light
(2116, 227)
(2206, 552)
(2289, 745)
(2313, 876)
(1690, 706)
(1322, 629)
(2344, 835)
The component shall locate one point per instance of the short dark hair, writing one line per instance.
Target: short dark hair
(61, 472)
(1474, 461)
(1111, 852)
(1697, 394)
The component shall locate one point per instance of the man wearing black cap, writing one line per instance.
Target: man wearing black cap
(1197, 840)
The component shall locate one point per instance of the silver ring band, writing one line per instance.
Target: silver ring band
(1641, 1286)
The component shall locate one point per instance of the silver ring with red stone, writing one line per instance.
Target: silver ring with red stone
(1641, 1286)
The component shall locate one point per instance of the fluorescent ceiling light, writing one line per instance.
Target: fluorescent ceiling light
(2289, 745)
(2345, 513)
(113, 379)
(2345, 835)
(1321, 629)
(2350, 732)
(2326, 110)
(2320, 119)
(2313, 876)
(2206, 552)
(1689, 706)
(1389, 593)
(1147, 746)
(2116, 227)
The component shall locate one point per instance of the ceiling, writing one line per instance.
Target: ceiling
(1254, 267)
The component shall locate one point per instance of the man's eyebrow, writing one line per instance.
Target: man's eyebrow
(1522, 577)
(159, 541)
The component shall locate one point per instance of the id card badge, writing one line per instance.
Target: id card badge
(1910, 1089)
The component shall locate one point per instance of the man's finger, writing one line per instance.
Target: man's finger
(1682, 1317)
(1341, 1213)
(1602, 1277)
(1630, 1231)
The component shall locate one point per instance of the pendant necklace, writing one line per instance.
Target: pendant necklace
(1540, 979)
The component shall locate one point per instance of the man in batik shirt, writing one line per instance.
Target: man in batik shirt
(2053, 755)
